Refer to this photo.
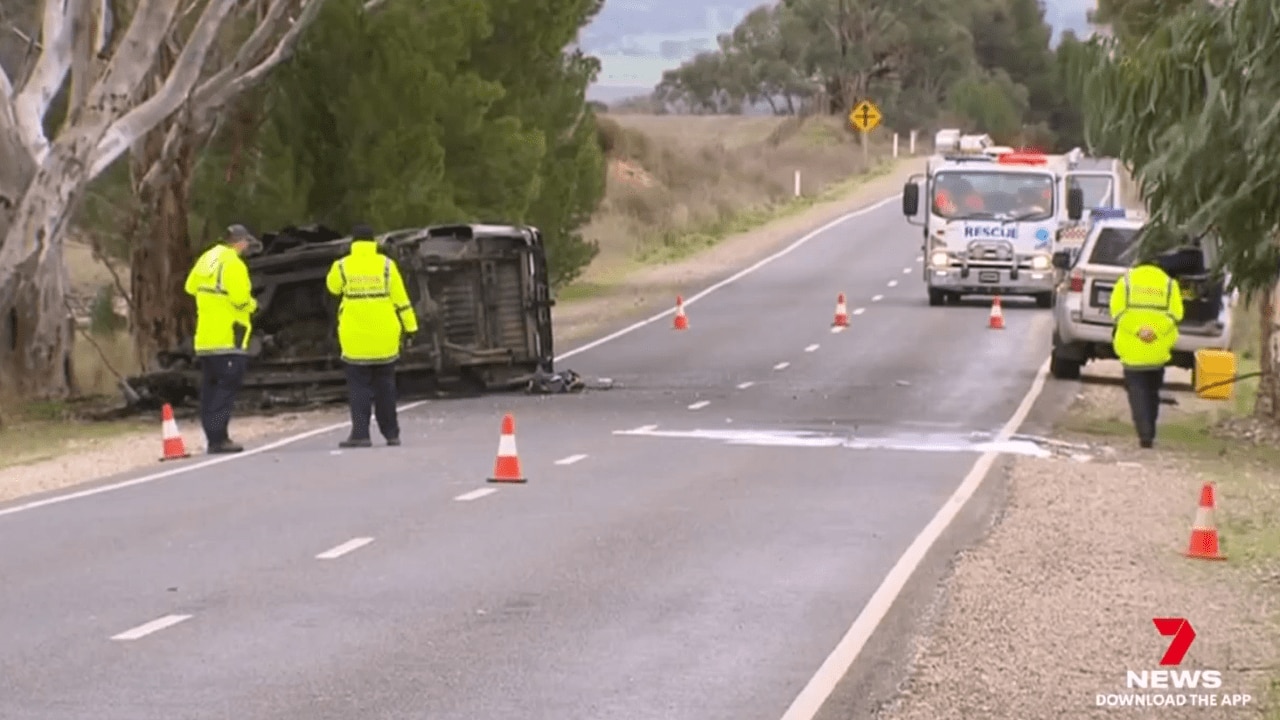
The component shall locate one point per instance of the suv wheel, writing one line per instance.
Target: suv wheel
(937, 297)
(1064, 369)
(1044, 300)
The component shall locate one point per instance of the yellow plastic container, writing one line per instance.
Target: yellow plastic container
(1215, 367)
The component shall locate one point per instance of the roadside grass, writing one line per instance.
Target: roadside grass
(1247, 475)
(678, 185)
(36, 431)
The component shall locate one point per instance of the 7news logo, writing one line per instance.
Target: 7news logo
(1183, 635)
(1173, 688)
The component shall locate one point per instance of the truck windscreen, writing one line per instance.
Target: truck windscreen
(1114, 247)
(988, 194)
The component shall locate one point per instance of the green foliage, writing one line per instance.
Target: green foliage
(983, 63)
(422, 113)
(103, 319)
(1194, 108)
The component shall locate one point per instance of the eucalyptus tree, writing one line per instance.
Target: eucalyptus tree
(1193, 108)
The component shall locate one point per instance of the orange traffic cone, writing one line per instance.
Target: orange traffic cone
(174, 446)
(842, 312)
(681, 322)
(506, 469)
(1204, 533)
(996, 321)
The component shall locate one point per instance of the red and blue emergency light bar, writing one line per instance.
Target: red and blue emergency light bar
(1023, 158)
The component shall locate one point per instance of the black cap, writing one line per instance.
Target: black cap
(362, 232)
(239, 233)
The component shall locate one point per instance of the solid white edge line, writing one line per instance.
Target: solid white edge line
(571, 459)
(699, 405)
(811, 699)
(291, 439)
(154, 626)
(476, 494)
(349, 546)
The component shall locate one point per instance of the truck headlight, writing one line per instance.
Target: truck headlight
(939, 259)
(1040, 262)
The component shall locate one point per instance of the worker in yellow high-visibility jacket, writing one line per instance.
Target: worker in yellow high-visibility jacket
(374, 316)
(1146, 305)
(219, 282)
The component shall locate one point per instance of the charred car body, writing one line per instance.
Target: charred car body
(481, 292)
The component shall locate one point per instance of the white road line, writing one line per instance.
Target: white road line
(571, 459)
(837, 329)
(476, 494)
(908, 271)
(919, 258)
(349, 546)
(291, 439)
(893, 283)
(154, 626)
(859, 311)
(782, 366)
(745, 385)
(700, 404)
(812, 347)
(877, 298)
(820, 686)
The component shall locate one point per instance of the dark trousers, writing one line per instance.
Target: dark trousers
(371, 390)
(221, 378)
(1143, 387)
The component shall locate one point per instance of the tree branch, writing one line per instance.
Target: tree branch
(133, 58)
(87, 39)
(257, 44)
(37, 93)
(176, 88)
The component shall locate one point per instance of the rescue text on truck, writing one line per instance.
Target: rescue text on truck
(992, 219)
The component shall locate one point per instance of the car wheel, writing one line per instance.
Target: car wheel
(1044, 300)
(937, 297)
(1064, 369)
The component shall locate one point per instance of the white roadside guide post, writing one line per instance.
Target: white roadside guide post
(797, 183)
(895, 145)
(911, 144)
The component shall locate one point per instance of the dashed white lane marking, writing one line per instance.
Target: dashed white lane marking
(859, 311)
(836, 666)
(349, 546)
(893, 283)
(154, 626)
(476, 494)
(877, 298)
(812, 347)
(745, 385)
(700, 404)
(919, 258)
(908, 271)
(837, 329)
(782, 366)
(571, 459)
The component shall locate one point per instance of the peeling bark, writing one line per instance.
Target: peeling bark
(1267, 404)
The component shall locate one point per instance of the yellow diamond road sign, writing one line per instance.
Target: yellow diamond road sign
(866, 116)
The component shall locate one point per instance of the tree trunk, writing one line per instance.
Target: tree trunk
(1267, 404)
(35, 335)
(162, 314)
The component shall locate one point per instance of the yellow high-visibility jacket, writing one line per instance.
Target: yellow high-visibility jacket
(1146, 297)
(375, 309)
(219, 281)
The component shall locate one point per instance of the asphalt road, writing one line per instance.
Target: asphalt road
(669, 573)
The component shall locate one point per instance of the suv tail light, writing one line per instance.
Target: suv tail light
(1077, 281)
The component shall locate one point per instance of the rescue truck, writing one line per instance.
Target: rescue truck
(993, 217)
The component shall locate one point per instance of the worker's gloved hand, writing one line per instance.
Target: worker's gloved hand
(1147, 335)
(410, 339)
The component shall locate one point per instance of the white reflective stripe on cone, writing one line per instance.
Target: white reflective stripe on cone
(507, 446)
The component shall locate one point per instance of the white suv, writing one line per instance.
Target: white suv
(1082, 315)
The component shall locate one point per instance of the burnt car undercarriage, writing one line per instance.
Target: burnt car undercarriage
(481, 293)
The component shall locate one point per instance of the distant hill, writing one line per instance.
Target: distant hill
(636, 40)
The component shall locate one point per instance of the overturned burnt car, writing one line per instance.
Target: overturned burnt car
(481, 292)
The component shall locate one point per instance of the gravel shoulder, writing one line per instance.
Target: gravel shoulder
(110, 449)
(1056, 603)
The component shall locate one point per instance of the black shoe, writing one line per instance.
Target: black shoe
(356, 443)
(1146, 444)
(393, 442)
(224, 448)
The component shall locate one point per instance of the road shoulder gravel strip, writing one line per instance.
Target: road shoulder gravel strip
(1051, 609)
